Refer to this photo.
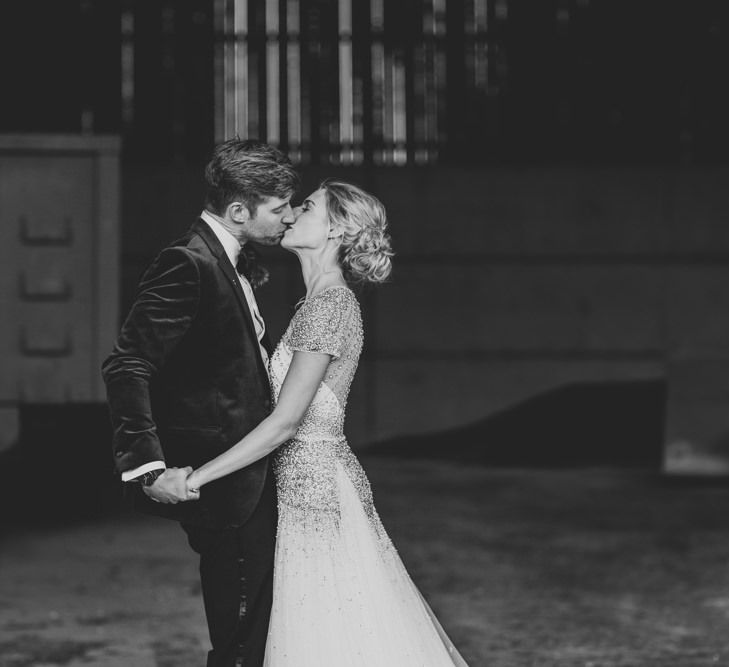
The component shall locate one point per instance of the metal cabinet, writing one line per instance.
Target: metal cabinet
(59, 269)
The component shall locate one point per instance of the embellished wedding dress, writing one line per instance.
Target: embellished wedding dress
(341, 594)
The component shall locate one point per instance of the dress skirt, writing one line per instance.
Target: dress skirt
(342, 596)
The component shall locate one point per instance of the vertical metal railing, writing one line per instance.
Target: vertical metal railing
(324, 99)
(295, 101)
(127, 67)
(234, 115)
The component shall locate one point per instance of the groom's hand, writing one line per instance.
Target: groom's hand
(170, 487)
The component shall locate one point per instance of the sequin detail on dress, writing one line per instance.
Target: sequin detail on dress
(342, 597)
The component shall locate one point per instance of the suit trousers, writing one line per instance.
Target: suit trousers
(236, 573)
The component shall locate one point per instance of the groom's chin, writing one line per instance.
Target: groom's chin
(272, 241)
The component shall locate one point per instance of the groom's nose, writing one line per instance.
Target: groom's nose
(288, 216)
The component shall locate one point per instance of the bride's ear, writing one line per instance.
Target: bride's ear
(334, 233)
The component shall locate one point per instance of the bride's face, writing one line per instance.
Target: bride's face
(311, 224)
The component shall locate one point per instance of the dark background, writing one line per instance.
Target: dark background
(561, 263)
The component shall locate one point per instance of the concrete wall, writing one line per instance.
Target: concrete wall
(508, 282)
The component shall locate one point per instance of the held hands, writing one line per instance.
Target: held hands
(172, 487)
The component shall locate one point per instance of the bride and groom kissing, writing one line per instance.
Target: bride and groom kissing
(243, 444)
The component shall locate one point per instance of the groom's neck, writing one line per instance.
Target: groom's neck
(233, 228)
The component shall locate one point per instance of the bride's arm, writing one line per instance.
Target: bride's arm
(299, 388)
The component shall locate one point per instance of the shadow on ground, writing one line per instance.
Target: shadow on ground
(586, 424)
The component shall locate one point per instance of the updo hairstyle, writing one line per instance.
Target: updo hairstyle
(366, 248)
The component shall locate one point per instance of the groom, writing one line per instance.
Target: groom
(187, 379)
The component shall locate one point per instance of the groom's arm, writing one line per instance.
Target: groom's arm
(165, 307)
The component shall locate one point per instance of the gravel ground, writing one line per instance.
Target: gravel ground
(589, 568)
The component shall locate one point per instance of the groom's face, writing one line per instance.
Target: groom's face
(270, 221)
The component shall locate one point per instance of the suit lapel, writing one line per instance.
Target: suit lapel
(201, 228)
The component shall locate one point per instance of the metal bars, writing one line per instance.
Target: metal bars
(346, 93)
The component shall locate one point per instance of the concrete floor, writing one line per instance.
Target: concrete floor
(597, 568)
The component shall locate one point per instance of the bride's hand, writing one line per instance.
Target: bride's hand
(193, 493)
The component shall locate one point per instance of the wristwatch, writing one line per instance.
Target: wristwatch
(149, 478)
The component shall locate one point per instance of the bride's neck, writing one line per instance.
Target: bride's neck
(320, 272)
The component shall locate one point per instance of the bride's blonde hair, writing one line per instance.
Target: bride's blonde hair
(366, 248)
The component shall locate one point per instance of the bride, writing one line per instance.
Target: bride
(342, 596)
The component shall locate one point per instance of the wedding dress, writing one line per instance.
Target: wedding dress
(341, 596)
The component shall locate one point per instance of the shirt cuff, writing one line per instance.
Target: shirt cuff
(131, 475)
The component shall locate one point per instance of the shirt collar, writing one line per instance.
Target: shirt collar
(231, 245)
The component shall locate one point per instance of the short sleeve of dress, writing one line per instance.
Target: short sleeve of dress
(321, 323)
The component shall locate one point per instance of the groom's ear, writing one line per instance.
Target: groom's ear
(238, 212)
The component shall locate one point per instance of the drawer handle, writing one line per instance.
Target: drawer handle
(45, 350)
(60, 291)
(62, 236)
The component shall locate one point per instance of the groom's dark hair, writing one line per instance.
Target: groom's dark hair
(248, 171)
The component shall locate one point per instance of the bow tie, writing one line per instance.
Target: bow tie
(249, 266)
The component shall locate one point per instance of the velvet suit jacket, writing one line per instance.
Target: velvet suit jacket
(185, 380)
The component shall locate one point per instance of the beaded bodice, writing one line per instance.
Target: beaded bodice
(329, 322)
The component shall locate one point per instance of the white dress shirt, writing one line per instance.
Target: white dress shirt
(232, 247)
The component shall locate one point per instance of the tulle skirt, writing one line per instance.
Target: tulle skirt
(342, 597)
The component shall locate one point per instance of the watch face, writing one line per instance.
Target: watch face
(149, 478)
